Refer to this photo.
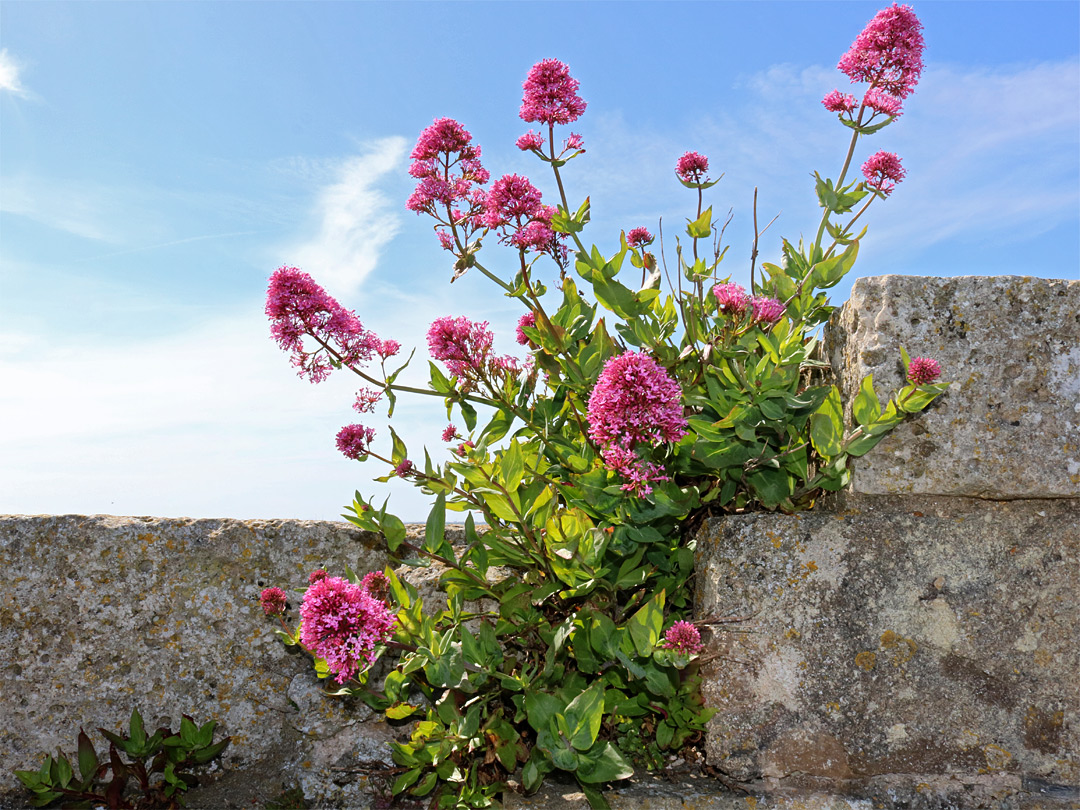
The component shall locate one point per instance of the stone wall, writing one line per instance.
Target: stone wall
(920, 633)
(915, 643)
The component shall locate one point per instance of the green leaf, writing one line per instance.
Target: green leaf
(399, 711)
(646, 625)
(603, 763)
(393, 530)
(595, 797)
(435, 533)
(88, 759)
(583, 716)
(867, 407)
(513, 466)
(701, 228)
(399, 452)
(136, 734)
(827, 425)
(439, 382)
(540, 708)
(404, 780)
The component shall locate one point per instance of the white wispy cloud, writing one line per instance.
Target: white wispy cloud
(9, 75)
(352, 220)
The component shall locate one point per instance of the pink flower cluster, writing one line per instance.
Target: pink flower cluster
(528, 320)
(639, 237)
(354, 440)
(887, 55)
(272, 601)
(838, 102)
(297, 306)
(342, 623)
(515, 207)
(550, 95)
(923, 370)
(883, 171)
(683, 637)
(464, 347)
(691, 168)
(635, 403)
(448, 167)
(732, 301)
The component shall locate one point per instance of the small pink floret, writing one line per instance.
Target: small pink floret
(450, 433)
(691, 167)
(838, 102)
(731, 299)
(639, 237)
(883, 171)
(530, 140)
(353, 440)
(683, 637)
(404, 468)
(881, 102)
(766, 311)
(527, 320)
(273, 601)
(316, 575)
(464, 346)
(923, 370)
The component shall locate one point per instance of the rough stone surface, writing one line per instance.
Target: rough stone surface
(1009, 426)
(907, 636)
(102, 614)
(698, 792)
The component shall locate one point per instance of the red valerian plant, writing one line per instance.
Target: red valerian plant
(567, 641)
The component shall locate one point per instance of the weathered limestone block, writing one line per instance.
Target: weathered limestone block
(1009, 427)
(102, 614)
(908, 637)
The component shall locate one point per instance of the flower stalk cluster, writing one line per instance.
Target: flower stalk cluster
(637, 411)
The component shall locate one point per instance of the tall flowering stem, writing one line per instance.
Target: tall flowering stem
(634, 415)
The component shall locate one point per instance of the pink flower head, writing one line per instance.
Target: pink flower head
(527, 320)
(447, 166)
(923, 370)
(342, 623)
(634, 402)
(464, 346)
(639, 237)
(766, 311)
(530, 140)
(550, 95)
(404, 468)
(297, 306)
(691, 168)
(512, 199)
(638, 474)
(731, 299)
(683, 637)
(450, 433)
(273, 601)
(575, 142)
(883, 171)
(376, 584)
(838, 102)
(353, 440)
(464, 448)
(366, 398)
(888, 53)
(514, 206)
(881, 102)
(316, 575)
(388, 348)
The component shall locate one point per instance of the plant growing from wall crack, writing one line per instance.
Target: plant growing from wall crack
(567, 640)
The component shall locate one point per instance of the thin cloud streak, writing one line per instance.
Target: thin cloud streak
(354, 220)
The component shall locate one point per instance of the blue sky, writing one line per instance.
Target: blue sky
(159, 160)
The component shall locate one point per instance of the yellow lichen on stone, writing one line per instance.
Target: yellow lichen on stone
(866, 660)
